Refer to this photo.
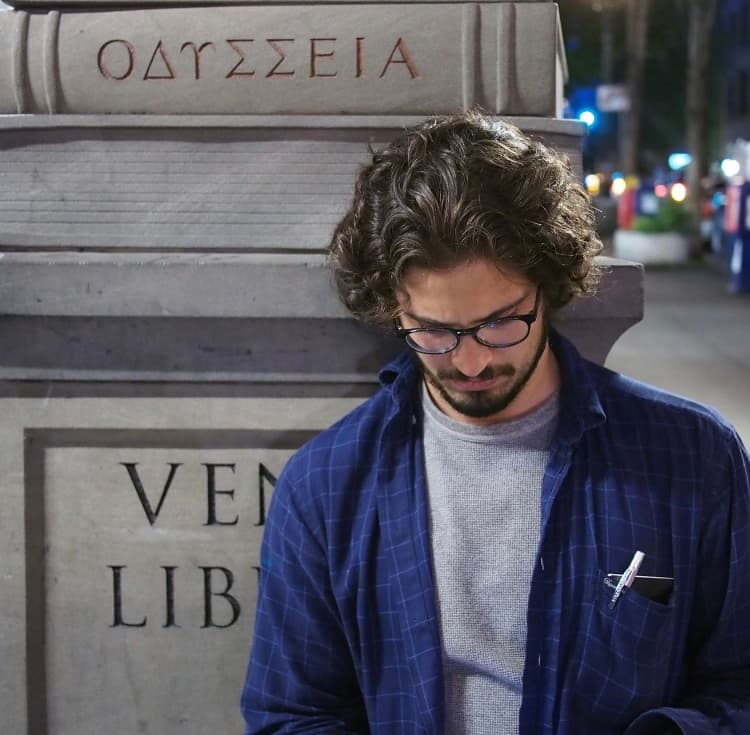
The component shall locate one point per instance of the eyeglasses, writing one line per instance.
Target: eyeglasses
(504, 332)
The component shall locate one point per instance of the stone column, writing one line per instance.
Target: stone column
(168, 331)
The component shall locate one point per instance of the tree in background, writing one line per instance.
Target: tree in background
(700, 26)
(636, 30)
(660, 113)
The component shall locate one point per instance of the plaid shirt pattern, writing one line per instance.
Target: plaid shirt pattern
(346, 637)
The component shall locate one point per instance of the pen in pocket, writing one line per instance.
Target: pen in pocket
(626, 580)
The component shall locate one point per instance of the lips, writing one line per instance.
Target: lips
(487, 379)
(473, 384)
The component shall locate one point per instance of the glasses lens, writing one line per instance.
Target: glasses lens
(503, 333)
(432, 340)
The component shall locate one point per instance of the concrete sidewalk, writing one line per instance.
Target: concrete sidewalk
(694, 340)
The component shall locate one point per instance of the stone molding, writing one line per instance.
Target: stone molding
(410, 58)
(166, 183)
(229, 318)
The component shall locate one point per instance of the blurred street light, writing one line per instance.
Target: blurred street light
(588, 117)
(678, 161)
(730, 167)
(678, 191)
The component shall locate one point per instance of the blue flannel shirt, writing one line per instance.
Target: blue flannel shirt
(346, 637)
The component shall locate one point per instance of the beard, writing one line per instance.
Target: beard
(483, 404)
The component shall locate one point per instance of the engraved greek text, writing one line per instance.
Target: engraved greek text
(167, 70)
(316, 54)
(197, 50)
(405, 58)
(105, 69)
(234, 43)
(318, 57)
(274, 43)
(360, 57)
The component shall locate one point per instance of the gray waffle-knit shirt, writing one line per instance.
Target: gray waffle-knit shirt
(484, 487)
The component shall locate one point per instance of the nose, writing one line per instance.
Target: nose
(470, 357)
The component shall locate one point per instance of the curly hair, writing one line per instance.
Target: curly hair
(455, 189)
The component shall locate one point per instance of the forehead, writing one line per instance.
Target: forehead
(461, 294)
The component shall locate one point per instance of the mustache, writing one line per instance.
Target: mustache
(498, 371)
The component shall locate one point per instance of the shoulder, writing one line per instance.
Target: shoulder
(669, 428)
(626, 407)
(328, 488)
(660, 442)
(334, 474)
(354, 434)
(634, 400)
(355, 438)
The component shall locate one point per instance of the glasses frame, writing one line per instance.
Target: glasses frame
(528, 319)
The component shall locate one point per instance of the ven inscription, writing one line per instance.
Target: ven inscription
(217, 581)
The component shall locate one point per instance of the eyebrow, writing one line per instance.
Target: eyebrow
(497, 314)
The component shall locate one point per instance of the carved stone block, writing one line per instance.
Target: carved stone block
(231, 184)
(406, 58)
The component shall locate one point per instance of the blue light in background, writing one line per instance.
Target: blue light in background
(588, 117)
(678, 161)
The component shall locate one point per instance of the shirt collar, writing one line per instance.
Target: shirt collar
(580, 404)
(401, 376)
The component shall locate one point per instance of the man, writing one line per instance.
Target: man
(506, 538)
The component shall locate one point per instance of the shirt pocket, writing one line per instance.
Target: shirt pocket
(623, 662)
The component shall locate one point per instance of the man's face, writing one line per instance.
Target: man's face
(474, 383)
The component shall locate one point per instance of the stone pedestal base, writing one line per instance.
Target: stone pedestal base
(169, 337)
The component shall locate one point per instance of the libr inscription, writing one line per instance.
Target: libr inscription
(142, 552)
(217, 582)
